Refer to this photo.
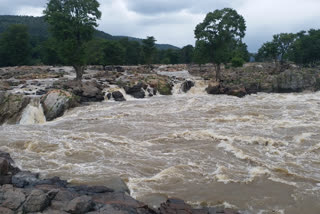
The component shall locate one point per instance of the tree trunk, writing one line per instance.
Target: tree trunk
(218, 69)
(79, 71)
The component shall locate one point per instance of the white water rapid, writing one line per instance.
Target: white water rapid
(33, 113)
(260, 153)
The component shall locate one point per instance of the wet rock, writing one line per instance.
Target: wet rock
(213, 88)
(11, 107)
(37, 201)
(56, 102)
(109, 95)
(172, 206)
(136, 91)
(4, 166)
(118, 96)
(187, 85)
(117, 184)
(91, 92)
(238, 92)
(90, 190)
(24, 179)
(41, 92)
(80, 205)
(151, 92)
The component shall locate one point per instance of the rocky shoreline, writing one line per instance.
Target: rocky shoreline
(25, 192)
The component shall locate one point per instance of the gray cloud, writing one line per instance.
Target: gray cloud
(173, 21)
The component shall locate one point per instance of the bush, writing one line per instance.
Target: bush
(237, 62)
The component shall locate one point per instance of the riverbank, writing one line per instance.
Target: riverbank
(25, 192)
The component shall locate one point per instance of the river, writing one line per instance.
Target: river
(260, 153)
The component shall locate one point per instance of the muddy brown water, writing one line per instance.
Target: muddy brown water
(260, 153)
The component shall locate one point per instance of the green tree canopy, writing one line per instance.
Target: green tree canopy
(306, 48)
(72, 23)
(219, 30)
(15, 48)
(149, 49)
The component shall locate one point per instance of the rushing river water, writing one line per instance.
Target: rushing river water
(260, 153)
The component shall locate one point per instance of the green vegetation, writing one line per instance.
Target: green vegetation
(72, 26)
(72, 40)
(15, 46)
(149, 49)
(301, 48)
(221, 31)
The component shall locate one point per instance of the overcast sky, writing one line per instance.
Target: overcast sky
(173, 21)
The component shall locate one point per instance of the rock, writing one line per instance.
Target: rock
(11, 107)
(175, 206)
(12, 197)
(37, 201)
(117, 184)
(56, 102)
(80, 205)
(41, 92)
(118, 96)
(109, 95)
(4, 166)
(4, 210)
(91, 92)
(293, 81)
(136, 91)
(187, 85)
(89, 190)
(238, 92)
(24, 179)
(213, 88)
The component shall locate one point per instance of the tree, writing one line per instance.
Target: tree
(149, 49)
(200, 53)
(305, 50)
(219, 30)
(186, 54)
(15, 48)
(269, 51)
(284, 42)
(114, 53)
(72, 24)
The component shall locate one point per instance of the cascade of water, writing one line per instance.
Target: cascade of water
(33, 113)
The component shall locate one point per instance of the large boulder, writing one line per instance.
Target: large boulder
(87, 91)
(213, 88)
(136, 91)
(295, 81)
(187, 85)
(11, 107)
(56, 102)
(118, 96)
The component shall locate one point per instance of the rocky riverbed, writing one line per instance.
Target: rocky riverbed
(25, 192)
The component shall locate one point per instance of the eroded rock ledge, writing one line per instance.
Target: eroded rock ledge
(24, 192)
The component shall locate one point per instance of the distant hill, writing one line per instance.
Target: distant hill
(38, 29)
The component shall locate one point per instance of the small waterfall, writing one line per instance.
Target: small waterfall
(199, 87)
(33, 113)
(114, 88)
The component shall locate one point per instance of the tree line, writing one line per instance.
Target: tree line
(303, 48)
(71, 41)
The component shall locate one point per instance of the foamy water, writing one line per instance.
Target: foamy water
(260, 153)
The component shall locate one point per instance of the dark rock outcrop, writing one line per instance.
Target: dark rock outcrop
(118, 96)
(136, 91)
(187, 85)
